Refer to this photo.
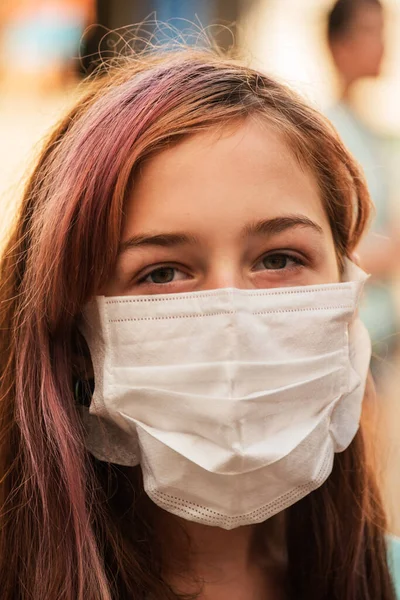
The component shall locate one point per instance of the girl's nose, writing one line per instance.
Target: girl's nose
(226, 275)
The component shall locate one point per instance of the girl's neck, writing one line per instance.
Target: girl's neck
(217, 563)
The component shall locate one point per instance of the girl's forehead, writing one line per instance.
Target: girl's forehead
(223, 175)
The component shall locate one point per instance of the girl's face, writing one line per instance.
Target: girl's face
(230, 208)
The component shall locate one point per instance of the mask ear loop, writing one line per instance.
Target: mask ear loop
(83, 391)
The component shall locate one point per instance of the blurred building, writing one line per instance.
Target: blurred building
(40, 38)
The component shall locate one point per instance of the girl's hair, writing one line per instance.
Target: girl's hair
(73, 528)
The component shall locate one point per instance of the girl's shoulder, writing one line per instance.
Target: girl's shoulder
(394, 561)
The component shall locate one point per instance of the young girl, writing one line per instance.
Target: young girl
(182, 367)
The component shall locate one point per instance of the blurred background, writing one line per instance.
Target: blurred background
(343, 56)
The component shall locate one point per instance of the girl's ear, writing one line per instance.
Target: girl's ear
(355, 258)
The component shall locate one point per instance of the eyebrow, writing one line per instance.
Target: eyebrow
(165, 240)
(265, 227)
(280, 224)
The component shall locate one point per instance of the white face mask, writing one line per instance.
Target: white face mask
(232, 401)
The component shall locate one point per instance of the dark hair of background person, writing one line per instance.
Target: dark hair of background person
(341, 16)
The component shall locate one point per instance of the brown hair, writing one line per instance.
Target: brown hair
(74, 528)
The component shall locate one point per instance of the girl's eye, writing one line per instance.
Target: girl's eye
(278, 262)
(163, 275)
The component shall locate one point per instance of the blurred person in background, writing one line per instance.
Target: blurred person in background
(355, 31)
(41, 41)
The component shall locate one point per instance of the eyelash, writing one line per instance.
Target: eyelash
(299, 262)
(154, 268)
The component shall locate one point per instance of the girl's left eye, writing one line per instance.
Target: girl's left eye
(278, 262)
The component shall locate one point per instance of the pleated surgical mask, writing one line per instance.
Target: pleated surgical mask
(232, 401)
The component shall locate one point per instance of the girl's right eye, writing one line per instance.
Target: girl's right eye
(163, 276)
